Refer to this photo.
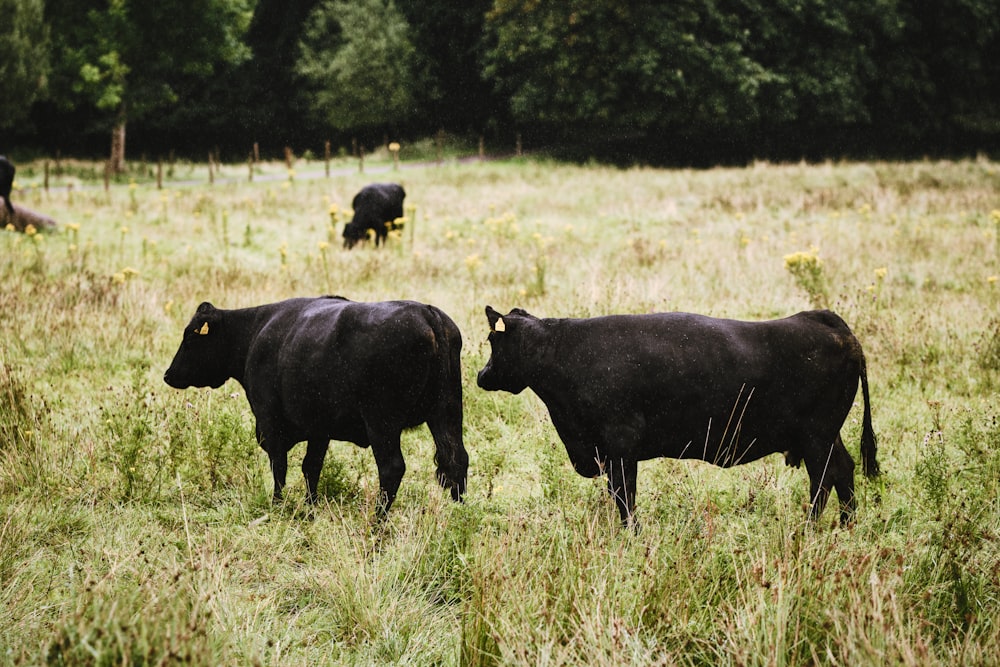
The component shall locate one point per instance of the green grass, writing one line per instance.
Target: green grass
(136, 523)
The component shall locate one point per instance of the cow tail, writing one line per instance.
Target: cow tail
(869, 464)
(450, 455)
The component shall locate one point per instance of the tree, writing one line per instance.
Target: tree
(448, 37)
(24, 65)
(129, 59)
(355, 59)
(620, 66)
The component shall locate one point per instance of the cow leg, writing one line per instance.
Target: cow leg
(842, 468)
(622, 474)
(277, 454)
(312, 464)
(279, 470)
(818, 464)
(391, 467)
(831, 467)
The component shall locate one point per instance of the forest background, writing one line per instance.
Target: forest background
(687, 82)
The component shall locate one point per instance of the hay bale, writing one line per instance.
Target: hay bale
(23, 217)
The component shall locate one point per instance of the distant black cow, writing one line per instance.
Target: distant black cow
(6, 182)
(376, 206)
(317, 369)
(628, 388)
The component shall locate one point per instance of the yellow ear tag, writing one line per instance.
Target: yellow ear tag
(499, 326)
(204, 329)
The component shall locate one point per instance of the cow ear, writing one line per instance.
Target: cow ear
(205, 307)
(496, 322)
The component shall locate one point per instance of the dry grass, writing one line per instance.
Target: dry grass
(135, 521)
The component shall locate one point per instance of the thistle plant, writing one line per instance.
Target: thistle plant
(410, 215)
(121, 240)
(537, 285)
(331, 231)
(807, 270)
(995, 217)
(876, 287)
(133, 200)
(324, 260)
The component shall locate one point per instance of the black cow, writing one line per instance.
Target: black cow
(6, 182)
(321, 369)
(375, 206)
(626, 388)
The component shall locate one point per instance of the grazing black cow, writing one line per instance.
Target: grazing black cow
(375, 206)
(627, 388)
(321, 369)
(6, 182)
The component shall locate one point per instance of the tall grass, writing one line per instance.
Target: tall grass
(136, 524)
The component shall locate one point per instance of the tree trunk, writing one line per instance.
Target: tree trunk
(118, 143)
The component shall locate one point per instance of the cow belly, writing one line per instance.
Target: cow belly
(743, 427)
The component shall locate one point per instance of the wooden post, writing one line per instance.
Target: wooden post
(46, 176)
(107, 176)
(159, 173)
(361, 158)
(256, 152)
(211, 176)
(289, 157)
(250, 168)
(482, 148)
(518, 145)
(326, 157)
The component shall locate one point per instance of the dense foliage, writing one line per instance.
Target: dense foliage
(717, 78)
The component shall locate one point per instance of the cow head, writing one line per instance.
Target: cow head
(353, 234)
(506, 369)
(200, 360)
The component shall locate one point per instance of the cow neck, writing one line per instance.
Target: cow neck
(545, 374)
(242, 327)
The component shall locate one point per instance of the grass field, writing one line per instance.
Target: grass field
(136, 525)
